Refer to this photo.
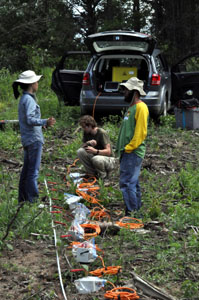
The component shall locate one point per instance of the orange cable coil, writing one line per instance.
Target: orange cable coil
(119, 293)
(94, 227)
(111, 270)
(98, 213)
(136, 223)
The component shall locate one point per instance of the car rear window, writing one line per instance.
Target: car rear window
(120, 68)
(140, 46)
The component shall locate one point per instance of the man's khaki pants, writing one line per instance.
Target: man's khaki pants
(96, 165)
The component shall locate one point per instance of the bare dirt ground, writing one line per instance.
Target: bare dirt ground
(28, 272)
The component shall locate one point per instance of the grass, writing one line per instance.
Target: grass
(167, 254)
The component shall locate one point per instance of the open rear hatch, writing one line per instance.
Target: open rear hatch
(119, 41)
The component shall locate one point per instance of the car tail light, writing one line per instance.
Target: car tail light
(155, 80)
(86, 79)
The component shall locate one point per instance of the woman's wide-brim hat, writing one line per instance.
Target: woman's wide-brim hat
(134, 84)
(28, 77)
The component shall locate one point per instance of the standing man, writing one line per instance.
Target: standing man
(131, 144)
(30, 123)
(96, 152)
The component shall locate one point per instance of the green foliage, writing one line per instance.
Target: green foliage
(190, 289)
(77, 62)
(38, 58)
(70, 150)
(27, 220)
(183, 216)
(68, 115)
(34, 26)
(188, 179)
(168, 122)
(8, 105)
(112, 124)
(12, 141)
(47, 99)
(38, 35)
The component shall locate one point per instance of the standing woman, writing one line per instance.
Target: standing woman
(30, 123)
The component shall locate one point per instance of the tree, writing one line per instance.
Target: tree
(136, 14)
(175, 24)
(42, 30)
(31, 25)
(86, 13)
(99, 15)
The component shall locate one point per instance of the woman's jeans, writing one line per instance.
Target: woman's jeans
(28, 190)
(130, 166)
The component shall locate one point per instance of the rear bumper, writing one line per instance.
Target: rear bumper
(115, 103)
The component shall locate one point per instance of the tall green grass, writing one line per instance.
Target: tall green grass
(8, 104)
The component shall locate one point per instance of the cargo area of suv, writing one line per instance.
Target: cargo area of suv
(109, 72)
(115, 56)
(104, 78)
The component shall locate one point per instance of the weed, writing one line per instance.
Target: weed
(167, 122)
(190, 289)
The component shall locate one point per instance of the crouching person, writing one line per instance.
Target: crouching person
(96, 152)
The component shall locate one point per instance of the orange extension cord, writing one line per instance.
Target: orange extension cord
(136, 223)
(73, 164)
(88, 198)
(93, 113)
(88, 186)
(112, 270)
(94, 227)
(79, 243)
(98, 213)
(122, 293)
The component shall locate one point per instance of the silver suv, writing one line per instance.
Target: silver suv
(115, 57)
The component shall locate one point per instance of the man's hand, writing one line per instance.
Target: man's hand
(51, 121)
(90, 149)
(92, 143)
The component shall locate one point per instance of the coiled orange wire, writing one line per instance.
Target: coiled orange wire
(94, 227)
(98, 213)
(119, 293)
(88, 185)
(136, 223)
(111, 270)
(88, 198)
